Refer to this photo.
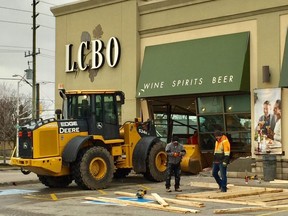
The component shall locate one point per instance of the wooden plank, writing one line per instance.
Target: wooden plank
(266, 197)
(244, 193)
(250, 209)
(169, 200)
(254, 203)
(144, 205)
(279, 181)
(277, 202)
(159, 199)
(208, 185)
(232, 194)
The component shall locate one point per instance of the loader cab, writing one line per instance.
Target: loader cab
(100, 110)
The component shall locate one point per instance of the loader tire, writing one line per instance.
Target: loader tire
(121, 173)
(93, 168)
(55, 181)
(156, 163)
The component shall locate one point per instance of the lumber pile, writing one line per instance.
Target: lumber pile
(169, 200)
(162, 203)
(255, 199)
(260, 198)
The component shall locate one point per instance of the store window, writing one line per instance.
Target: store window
(161, 125)
(230, 114)
(179, 122)
(210, 105)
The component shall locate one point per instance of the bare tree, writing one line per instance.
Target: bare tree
(8, 115)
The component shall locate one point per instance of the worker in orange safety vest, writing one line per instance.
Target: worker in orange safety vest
(221, 160)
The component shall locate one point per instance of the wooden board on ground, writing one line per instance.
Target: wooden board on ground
(265, 197)
(279, 181)
(231, 193)
(169, 200)
(255, 203)
(144, 205)
(159, 199)
(208, 185)
(271, 199)
(250, 209)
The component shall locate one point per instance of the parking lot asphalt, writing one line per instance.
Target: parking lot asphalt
(11, 179)
(13, 176)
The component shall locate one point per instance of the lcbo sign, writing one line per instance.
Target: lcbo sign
(98, 58)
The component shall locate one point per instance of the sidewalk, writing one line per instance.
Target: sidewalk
(13, 176)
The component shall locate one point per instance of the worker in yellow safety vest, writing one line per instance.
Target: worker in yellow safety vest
(221, 160)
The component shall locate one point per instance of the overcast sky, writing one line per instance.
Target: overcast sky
(16, 39)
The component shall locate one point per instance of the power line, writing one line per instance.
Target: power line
(16, 47)
(22, 47)
(14, 22)
(10, 51)
(46, 56)
(46, 27)
(26, 11)
(47, 49)
(47, 3)
(7, 8)
(49, 15)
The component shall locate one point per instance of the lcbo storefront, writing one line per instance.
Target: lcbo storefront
(199, 65)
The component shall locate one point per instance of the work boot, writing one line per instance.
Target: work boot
(168, 190)
(178, 190)
(223, 189)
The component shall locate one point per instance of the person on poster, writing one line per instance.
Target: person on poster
(277, 129)
(267, 120)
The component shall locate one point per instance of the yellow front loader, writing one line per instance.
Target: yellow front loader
(86, 144)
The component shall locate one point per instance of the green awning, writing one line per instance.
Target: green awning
(215, 64)
(283, 82)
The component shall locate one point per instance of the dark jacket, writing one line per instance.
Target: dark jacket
(171, 149)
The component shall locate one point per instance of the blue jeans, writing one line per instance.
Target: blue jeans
(176, 170)
(222, 182)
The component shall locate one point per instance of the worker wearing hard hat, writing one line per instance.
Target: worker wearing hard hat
(175, 151)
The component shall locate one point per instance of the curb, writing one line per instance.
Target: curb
(16, 183)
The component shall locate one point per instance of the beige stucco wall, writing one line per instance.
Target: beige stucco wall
(265, 20)
(171, 21)
(283, 33)
(117, 19)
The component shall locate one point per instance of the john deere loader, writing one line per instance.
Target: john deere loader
(85, 143)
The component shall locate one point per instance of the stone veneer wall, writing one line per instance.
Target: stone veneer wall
(281, 168)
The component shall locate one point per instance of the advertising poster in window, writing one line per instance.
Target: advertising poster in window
(267, 119)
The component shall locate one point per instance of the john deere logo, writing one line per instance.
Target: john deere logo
(25, 145)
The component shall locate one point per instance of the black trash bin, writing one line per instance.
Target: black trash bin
(269, 167)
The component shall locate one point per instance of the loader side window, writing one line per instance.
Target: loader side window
(109, 110)
(98, 111)
(79, 107)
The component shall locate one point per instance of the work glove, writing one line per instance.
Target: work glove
(224, 164)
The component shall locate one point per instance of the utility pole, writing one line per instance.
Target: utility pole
(33, 54)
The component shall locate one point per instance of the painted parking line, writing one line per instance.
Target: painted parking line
(16, 191)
